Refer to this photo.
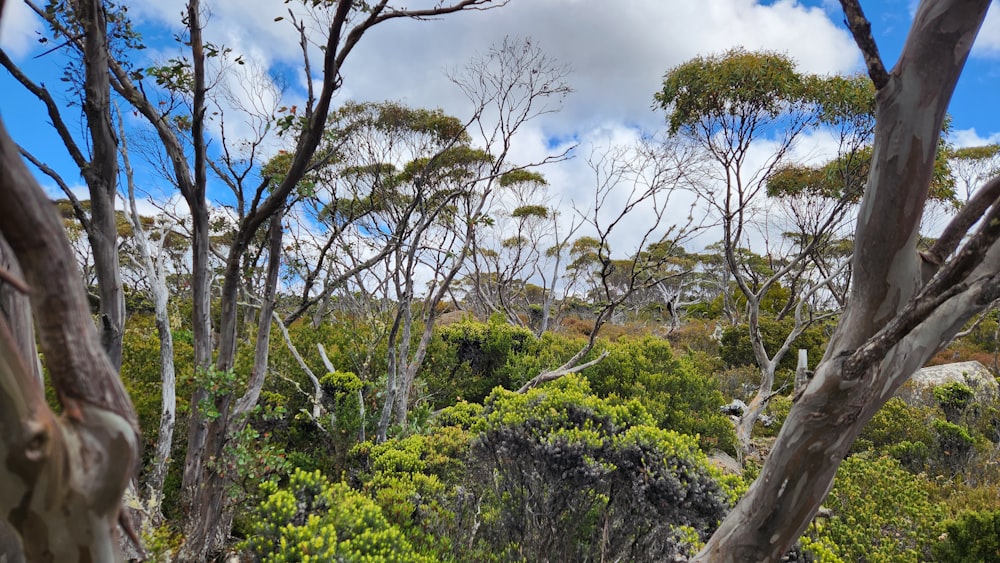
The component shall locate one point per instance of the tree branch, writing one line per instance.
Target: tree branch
(78, 210)
(568, 367)
(861, 29)
(51, 107)
(955, 230)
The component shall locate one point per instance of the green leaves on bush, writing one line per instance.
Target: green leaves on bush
(973, 536)
(881, 513)
(312, 519)
(561, 474)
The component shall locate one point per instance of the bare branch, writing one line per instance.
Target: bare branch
(969, 215)
(569, 367)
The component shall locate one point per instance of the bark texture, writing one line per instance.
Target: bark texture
(893, 322)
(62, 479)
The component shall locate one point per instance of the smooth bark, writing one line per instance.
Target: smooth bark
(893, 322)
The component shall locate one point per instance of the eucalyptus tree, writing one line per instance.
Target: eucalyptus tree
(91, 29)
(64, 474)
(726, 105)
(517, 266)
(904, 305)
(644, 181)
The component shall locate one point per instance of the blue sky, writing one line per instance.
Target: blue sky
(618, 52)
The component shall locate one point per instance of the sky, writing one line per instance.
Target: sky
(617, 53)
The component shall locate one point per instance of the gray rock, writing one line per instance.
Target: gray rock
(974, 374)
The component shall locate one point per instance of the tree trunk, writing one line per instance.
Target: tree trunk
(61, 486)
(213, 517)
(101, 176)
(892, 324)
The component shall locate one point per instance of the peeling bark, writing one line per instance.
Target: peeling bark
(63, 477)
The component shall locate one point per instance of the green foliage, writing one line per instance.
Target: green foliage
(954, 398)
(341, 397)
(413, 481)
(973, 536)
(757, 86)
(736, 349)
(668, 387)
(217, 384)
(954, 442)
(614, 486)
(471, 358)
(881, 513)
(521, 176)
(897, 423)
(312, 519)
(777, 409)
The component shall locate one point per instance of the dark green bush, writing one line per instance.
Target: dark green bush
(973, 536)
(737, 351)
(468, 359)
(564, 475)
(671, 390)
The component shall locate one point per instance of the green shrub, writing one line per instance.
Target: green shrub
(881, 513)
(954, 398)
(973, 536)
(561, 474)
(312, 519)
(902, 431)
(736, 349)
(668, 387)
(468, 358)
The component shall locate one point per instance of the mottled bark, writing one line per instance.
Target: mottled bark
(62, 480)
(893, 322)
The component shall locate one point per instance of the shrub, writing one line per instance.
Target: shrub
(469, 358)
(881, 513)
(668, 387)
(954, 398)
(973, 536)
(561, 474)
(737, 351)
(312, 519)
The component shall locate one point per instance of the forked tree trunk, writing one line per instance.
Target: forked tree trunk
(212, 521)
(894, 322)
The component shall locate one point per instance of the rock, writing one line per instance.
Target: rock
(974, 374)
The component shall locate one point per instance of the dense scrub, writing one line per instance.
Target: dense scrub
(610, 464)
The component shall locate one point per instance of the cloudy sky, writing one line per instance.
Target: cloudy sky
(617, 52)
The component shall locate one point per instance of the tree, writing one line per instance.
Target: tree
(904, 305)
(645, 177)
(84, 25)
(64, 475)
(725, 105)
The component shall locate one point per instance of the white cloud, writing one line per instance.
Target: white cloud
(17, 29)
(988, 40)
(971, 138)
